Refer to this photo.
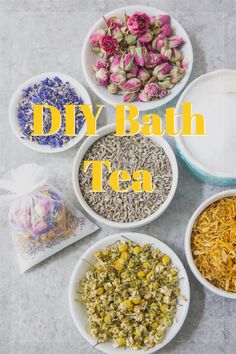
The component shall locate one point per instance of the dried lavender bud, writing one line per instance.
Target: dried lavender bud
(128, 153)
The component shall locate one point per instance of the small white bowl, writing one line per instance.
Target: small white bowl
(110, 128)
(89, 59)
(13, 108)
(188, 249)
(78, 311)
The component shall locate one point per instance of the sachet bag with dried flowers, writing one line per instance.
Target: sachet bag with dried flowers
(42, 221)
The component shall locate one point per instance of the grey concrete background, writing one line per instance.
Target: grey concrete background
(40, 36)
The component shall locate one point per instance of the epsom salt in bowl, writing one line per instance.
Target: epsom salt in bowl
(211, 158)
(126, 210)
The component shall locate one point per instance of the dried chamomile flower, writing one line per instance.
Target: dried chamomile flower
(131, 295)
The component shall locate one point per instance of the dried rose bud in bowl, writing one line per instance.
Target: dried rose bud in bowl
(137, 54)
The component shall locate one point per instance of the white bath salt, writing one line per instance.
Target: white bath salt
(215, 98)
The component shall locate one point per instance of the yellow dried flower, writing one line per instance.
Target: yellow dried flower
(154, 325)
(118, 265)
(136, 300)
(123, 247)
(131, 263)
(150, 274)
(107, 319)
(137, 250)
(128, 304)
(164, 308)
(141, 274)
(124, 256)
(165, 259)
(121, 341)
(100, 291)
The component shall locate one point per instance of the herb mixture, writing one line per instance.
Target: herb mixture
(214, 243)
(128, 153)
(41, 222)
(140, 58)
(56, 93)
(131, 294)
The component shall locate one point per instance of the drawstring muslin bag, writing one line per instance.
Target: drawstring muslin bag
(42, 222)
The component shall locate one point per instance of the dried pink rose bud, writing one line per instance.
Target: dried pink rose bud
(114, 22)
(132, 85)
(139, 55)
(117, 35)
(146, 37)
(143, 75)
(174, 42)
(175, 75)
(177, 55)
(101, 63)
(127, 62)
(102, 76)
(166, 54)
(153, 20)
(158, 42)
(134, 70)
(167, 30)
(95, 37)
(151, 90)
(166, 69)
(112, 88)
(115, 64)
(118, 78)
(142, 97)
(129, 97)
(130, 39)
(138, 23)
(162, 71)
(149, 48)
(108, 45)
(163, 20)
(152, 60)
(163, 92)
(184, 64)
(166, 83)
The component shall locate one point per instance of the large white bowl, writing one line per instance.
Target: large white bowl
(78, 311)
(13, 108)
(110, 128)
(188, 249)
(89, 59)
(200, 93)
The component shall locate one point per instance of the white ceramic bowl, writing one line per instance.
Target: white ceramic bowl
(188, 250)
(89, 59)
(78, 311)
(80, 90)
(110, 128)
(195, 151)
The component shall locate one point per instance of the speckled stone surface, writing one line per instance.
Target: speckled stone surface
(39, 36)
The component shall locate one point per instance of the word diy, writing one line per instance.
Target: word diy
(151, 123)
(141, 180)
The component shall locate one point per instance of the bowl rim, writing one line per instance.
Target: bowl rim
(139, 238)
(105, 130)
(188, 249)
(179, 139)
(80, 90)
(147, 105)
